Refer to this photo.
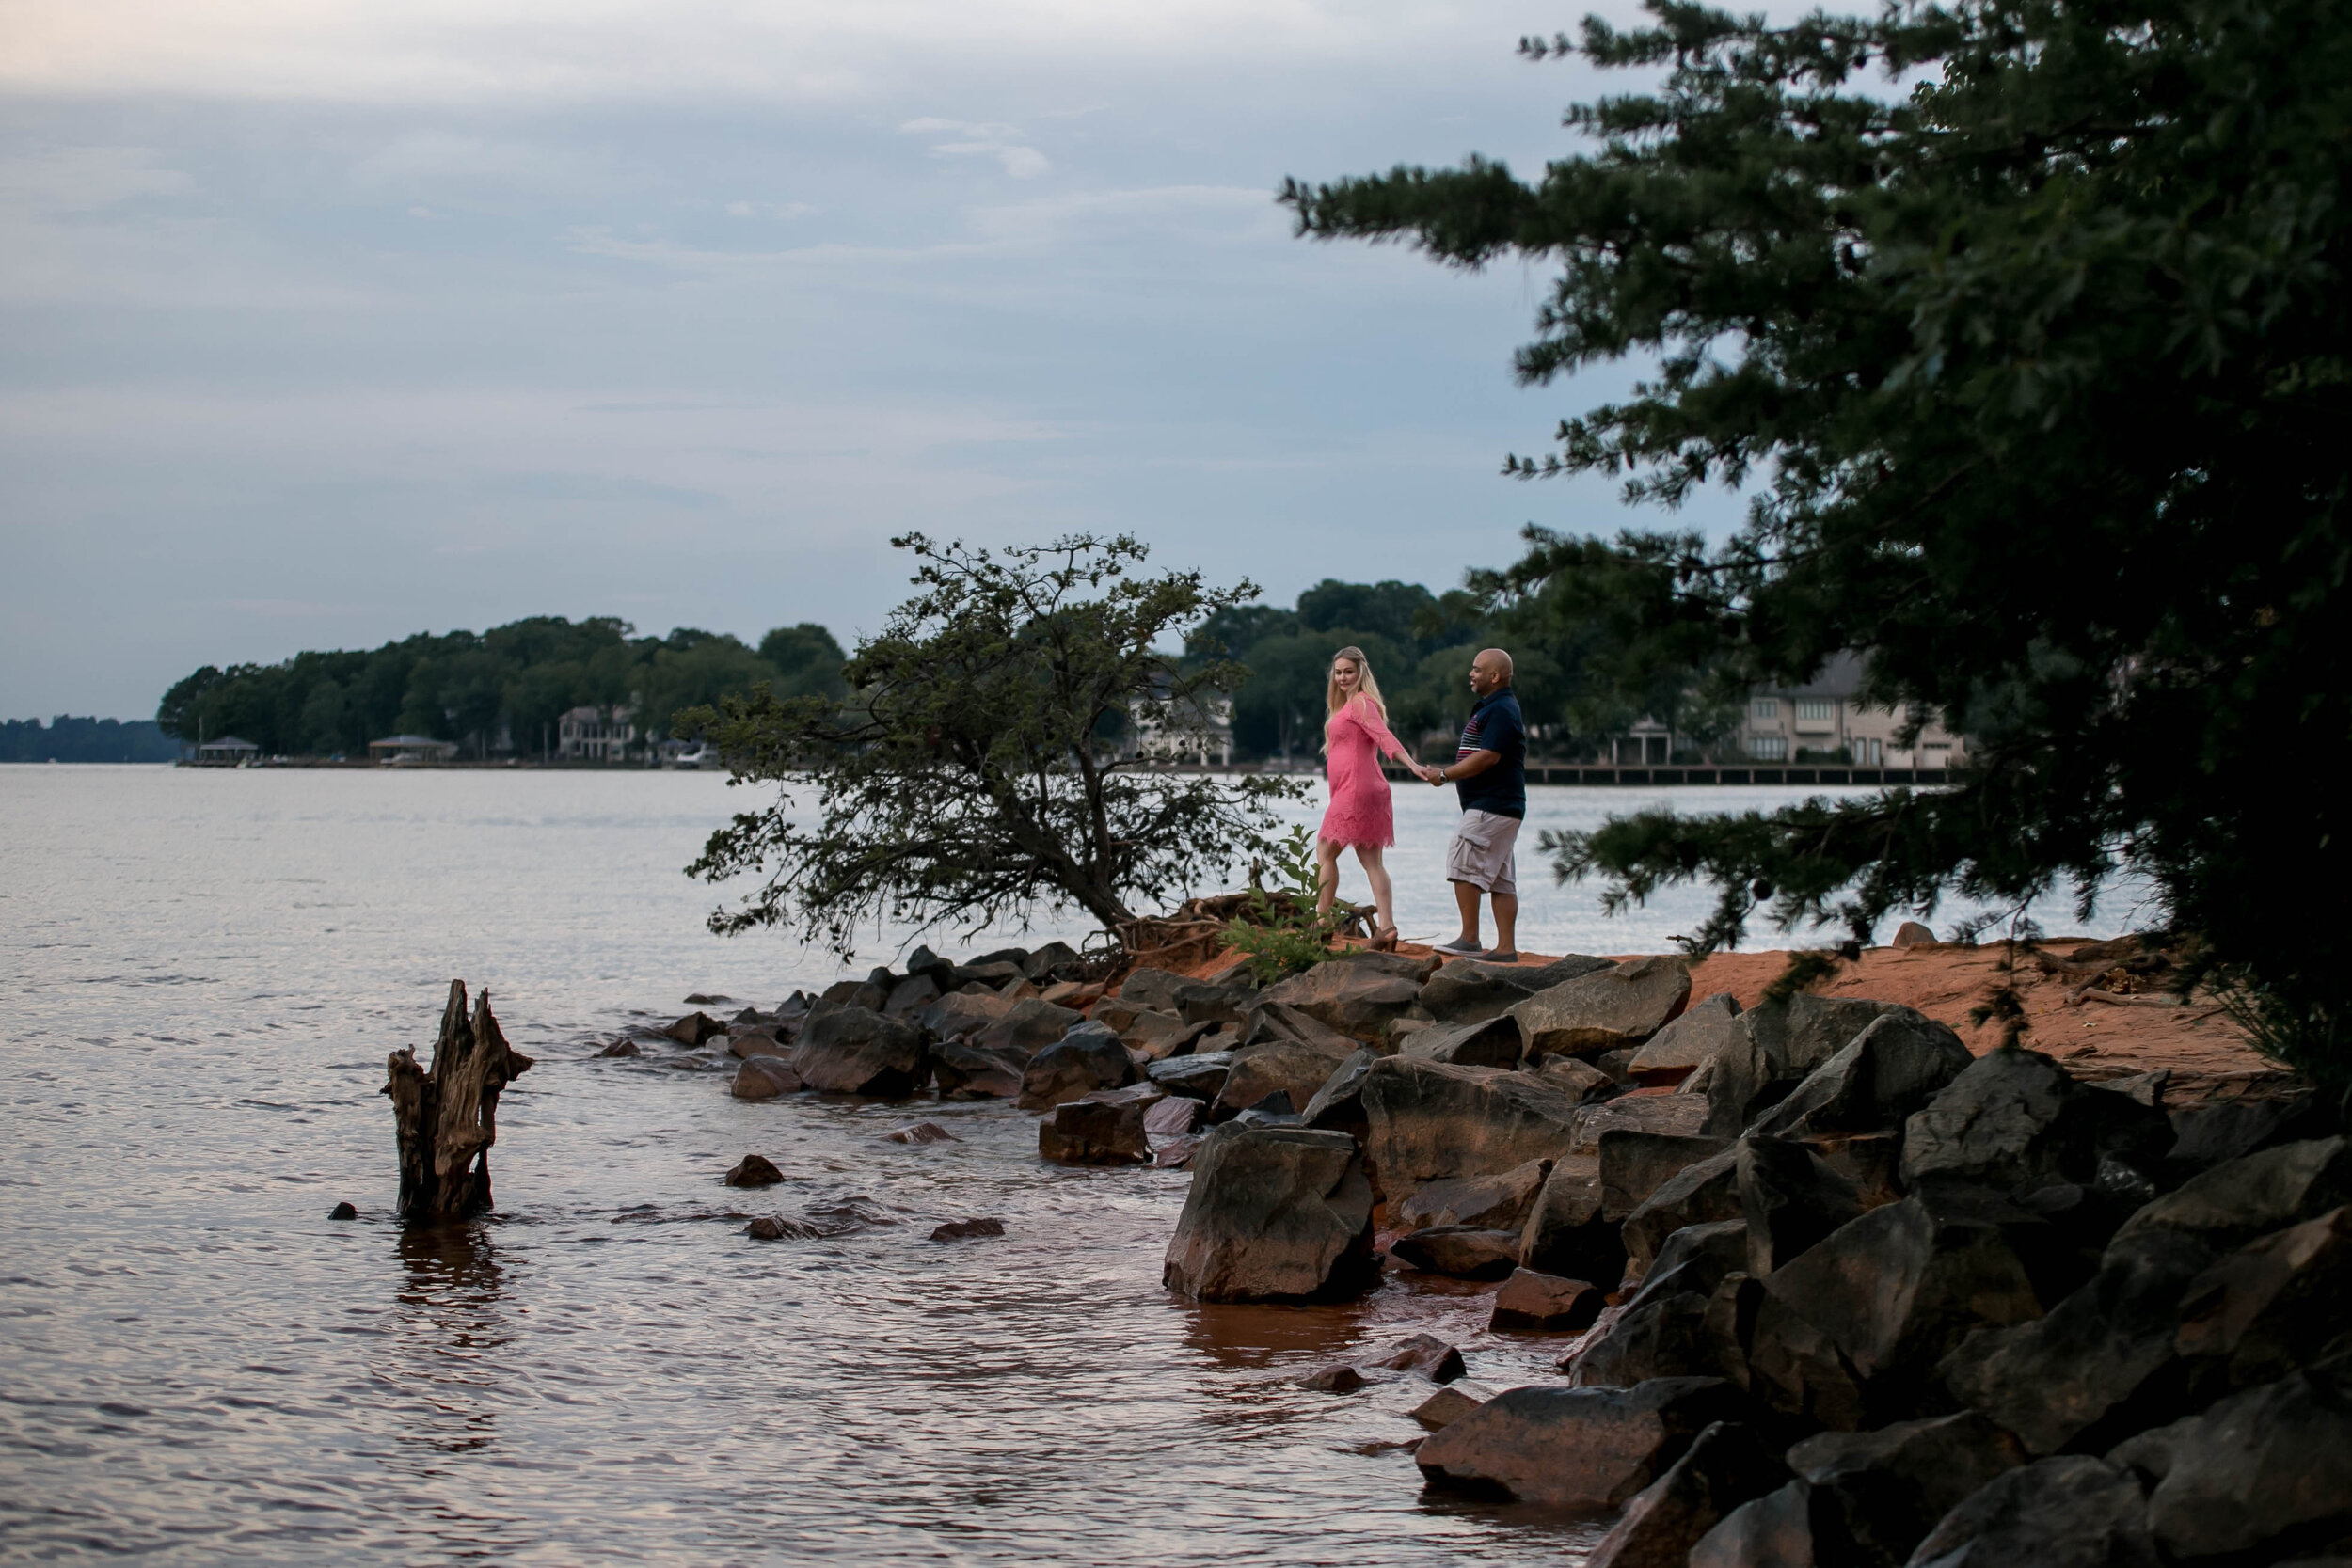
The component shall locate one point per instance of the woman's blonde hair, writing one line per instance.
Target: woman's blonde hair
(1370, 688)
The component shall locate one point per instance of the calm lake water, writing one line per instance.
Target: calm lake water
(200, 975)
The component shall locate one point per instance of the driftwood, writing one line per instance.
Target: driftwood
(448, 1118)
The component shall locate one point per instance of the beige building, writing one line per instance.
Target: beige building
(1824, 720)
(596, 734)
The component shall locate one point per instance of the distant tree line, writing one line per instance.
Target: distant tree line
(505, 688)
(66, 739)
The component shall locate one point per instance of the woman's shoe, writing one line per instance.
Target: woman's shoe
(1384, 940)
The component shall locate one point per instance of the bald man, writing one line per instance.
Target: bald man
(1489, 775)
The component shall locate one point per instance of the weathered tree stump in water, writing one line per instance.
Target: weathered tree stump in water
(448, 1118)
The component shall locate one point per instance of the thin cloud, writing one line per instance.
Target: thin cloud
(983, 139)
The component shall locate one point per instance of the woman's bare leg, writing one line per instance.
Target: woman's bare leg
(1368, 856)
(1327, 875)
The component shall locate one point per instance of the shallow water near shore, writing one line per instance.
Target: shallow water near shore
(203, 974)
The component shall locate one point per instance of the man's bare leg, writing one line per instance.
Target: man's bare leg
(1465, 899)
(1507, 923)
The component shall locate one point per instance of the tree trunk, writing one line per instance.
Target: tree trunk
(447, 1119)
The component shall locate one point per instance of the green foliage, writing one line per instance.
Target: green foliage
(966, 778)
(68, 740)
(1282, 933)
(2037, 372)
(519, 678)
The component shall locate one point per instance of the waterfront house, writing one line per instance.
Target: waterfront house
(1824, 721)
(228, 751)
(596, 733)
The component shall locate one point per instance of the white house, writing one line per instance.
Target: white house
(596, 733)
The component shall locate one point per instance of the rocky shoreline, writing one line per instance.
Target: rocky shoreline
(1828, 1286)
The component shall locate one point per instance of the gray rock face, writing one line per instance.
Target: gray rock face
(1690, 1042)
(962, 1014)
(1726, 1464)
(1567, 1231)
(1290, 1067)
(1494, 1042)
(1428, 1121)
(1025, 1028)
(1194, 1001)
(1881, 1492)
(2276, 1304)
(1575, 1447)
(1338, 1105)
(1356, 999)
(1156, 1036)
(1634, 1165)
(1849, 1332)
(1498, 1202)
(1778, 1046)
(1675, 1115)
(1699, 1193)
(2206, 1136)
(2071, 1512)
(1621, 1005)
(764, 1078)
(964, 1071)
(1274, 1214)
(1462, 1251)
(1468, 992)
(851, 1050)
(911, 995)
(1663, 1330)
(2014, 1119)
(2246, 1197)
(2269, 1468)
(1892, 1069)
(1790, 1199)
(1532, 1303)
(1198, 1076)
(1773, 1531)
(1087, 1058)
(1095, 1133)
(1176, 1117)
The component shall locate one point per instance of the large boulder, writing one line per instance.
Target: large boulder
(1690, 1042)
(1568, 1230)
(1703, 1192)
(1675, 1115)
(1777, 1046)
(2015, 1119)
(1499, 1202)
(1358, 1000)
(1532, 1303)
(764, 1078)
(851, 1050)
(1027, 1027)
(1155, 1036)
(2273, 1306)
(964, 1071)
(1428, 1121)
(1462, 1251)
(1892, 1069)
(2208, 1134)
(1494, 1042)
(1635, 1163)
(2267, 1470)
(2251, 1196)
(910, 996)
(1106, 1132)
(1664, 1329)
(1087, 1058)
(1291, 1067)
(1200, 1076)
(1791, 1199)
(1879, 1493)
(1848, 1332)
(1274, 1214)
(2071, 1512)
(962, 1014)
(1468, 992)
(1773, 1531)
(1605, 1010)
(1339, 1104)
(1195, 1001)
(1725, 1465)
(1588, 1448)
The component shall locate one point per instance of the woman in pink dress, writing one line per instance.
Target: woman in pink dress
(1359, 815)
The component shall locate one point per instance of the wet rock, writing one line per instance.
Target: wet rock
(964, 1014)
(851, 1050)
(1273, 1214)
(2267, 1470)
(1773, 1531)
(776, 1228)
(1196, 1077)
(1621, 1005)
(1674, 1116)
(2251, 1196)
(2103, 1362)
(964, 1071)
(1426, 1355)
(1727, 1465)
(755, 1043)
(921, 1133)
(1634, 1165)
(1338, 1105)
(1449, 1405)
(1461, 1251)
(1087, 1058)
(1687, 1043)
(1531, 1303)
(753, 1170)
(1176, 1154)
(1704, 1193)
(1338, 1378)
(1567, 1231)
(1790, 1199)
(1288, 1067)
(694, 1028)
(1662, 1329)
(1026, 1028)
(1492, 1043)
(1588, 1448)
(1489, 1202)
(1428, 1121)
(1353, 998)
(958, 1230)
(1466, 990)
(1879, 1493)
(1089, 1132)
(342, 1211)
(2273, 1306)
(765, 1078)
(1848, 1332)
(1175, 1116)
(2073, 1512)
(2014, 1119)
(629, 1048)
(700, 999)
(1892, 1070)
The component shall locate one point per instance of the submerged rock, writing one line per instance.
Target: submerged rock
(1424, 1354)
(921, 1133)
(958, 1230)
(753, 1170)
(1095, 1133)
(851, 1050)
(1531, 1303)
(1462, 1251)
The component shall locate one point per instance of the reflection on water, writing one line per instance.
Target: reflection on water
(449, 1334)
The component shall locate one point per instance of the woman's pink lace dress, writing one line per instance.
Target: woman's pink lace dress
(1359, 812)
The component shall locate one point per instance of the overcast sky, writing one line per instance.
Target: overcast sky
(328, 322)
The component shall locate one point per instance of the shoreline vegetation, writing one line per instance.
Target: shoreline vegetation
(1835, 1273)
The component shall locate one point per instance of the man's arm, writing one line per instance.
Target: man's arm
(1470, 767)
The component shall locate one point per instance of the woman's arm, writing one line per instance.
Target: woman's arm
(1367, 718)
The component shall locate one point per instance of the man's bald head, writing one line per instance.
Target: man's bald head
(1490, 671)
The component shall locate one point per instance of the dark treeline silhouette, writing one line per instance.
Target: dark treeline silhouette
(66, 739)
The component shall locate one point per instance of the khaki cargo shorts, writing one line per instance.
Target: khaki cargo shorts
(1481, 852)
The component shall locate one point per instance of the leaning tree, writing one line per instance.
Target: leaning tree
(2024, 323)
(1004, 747)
